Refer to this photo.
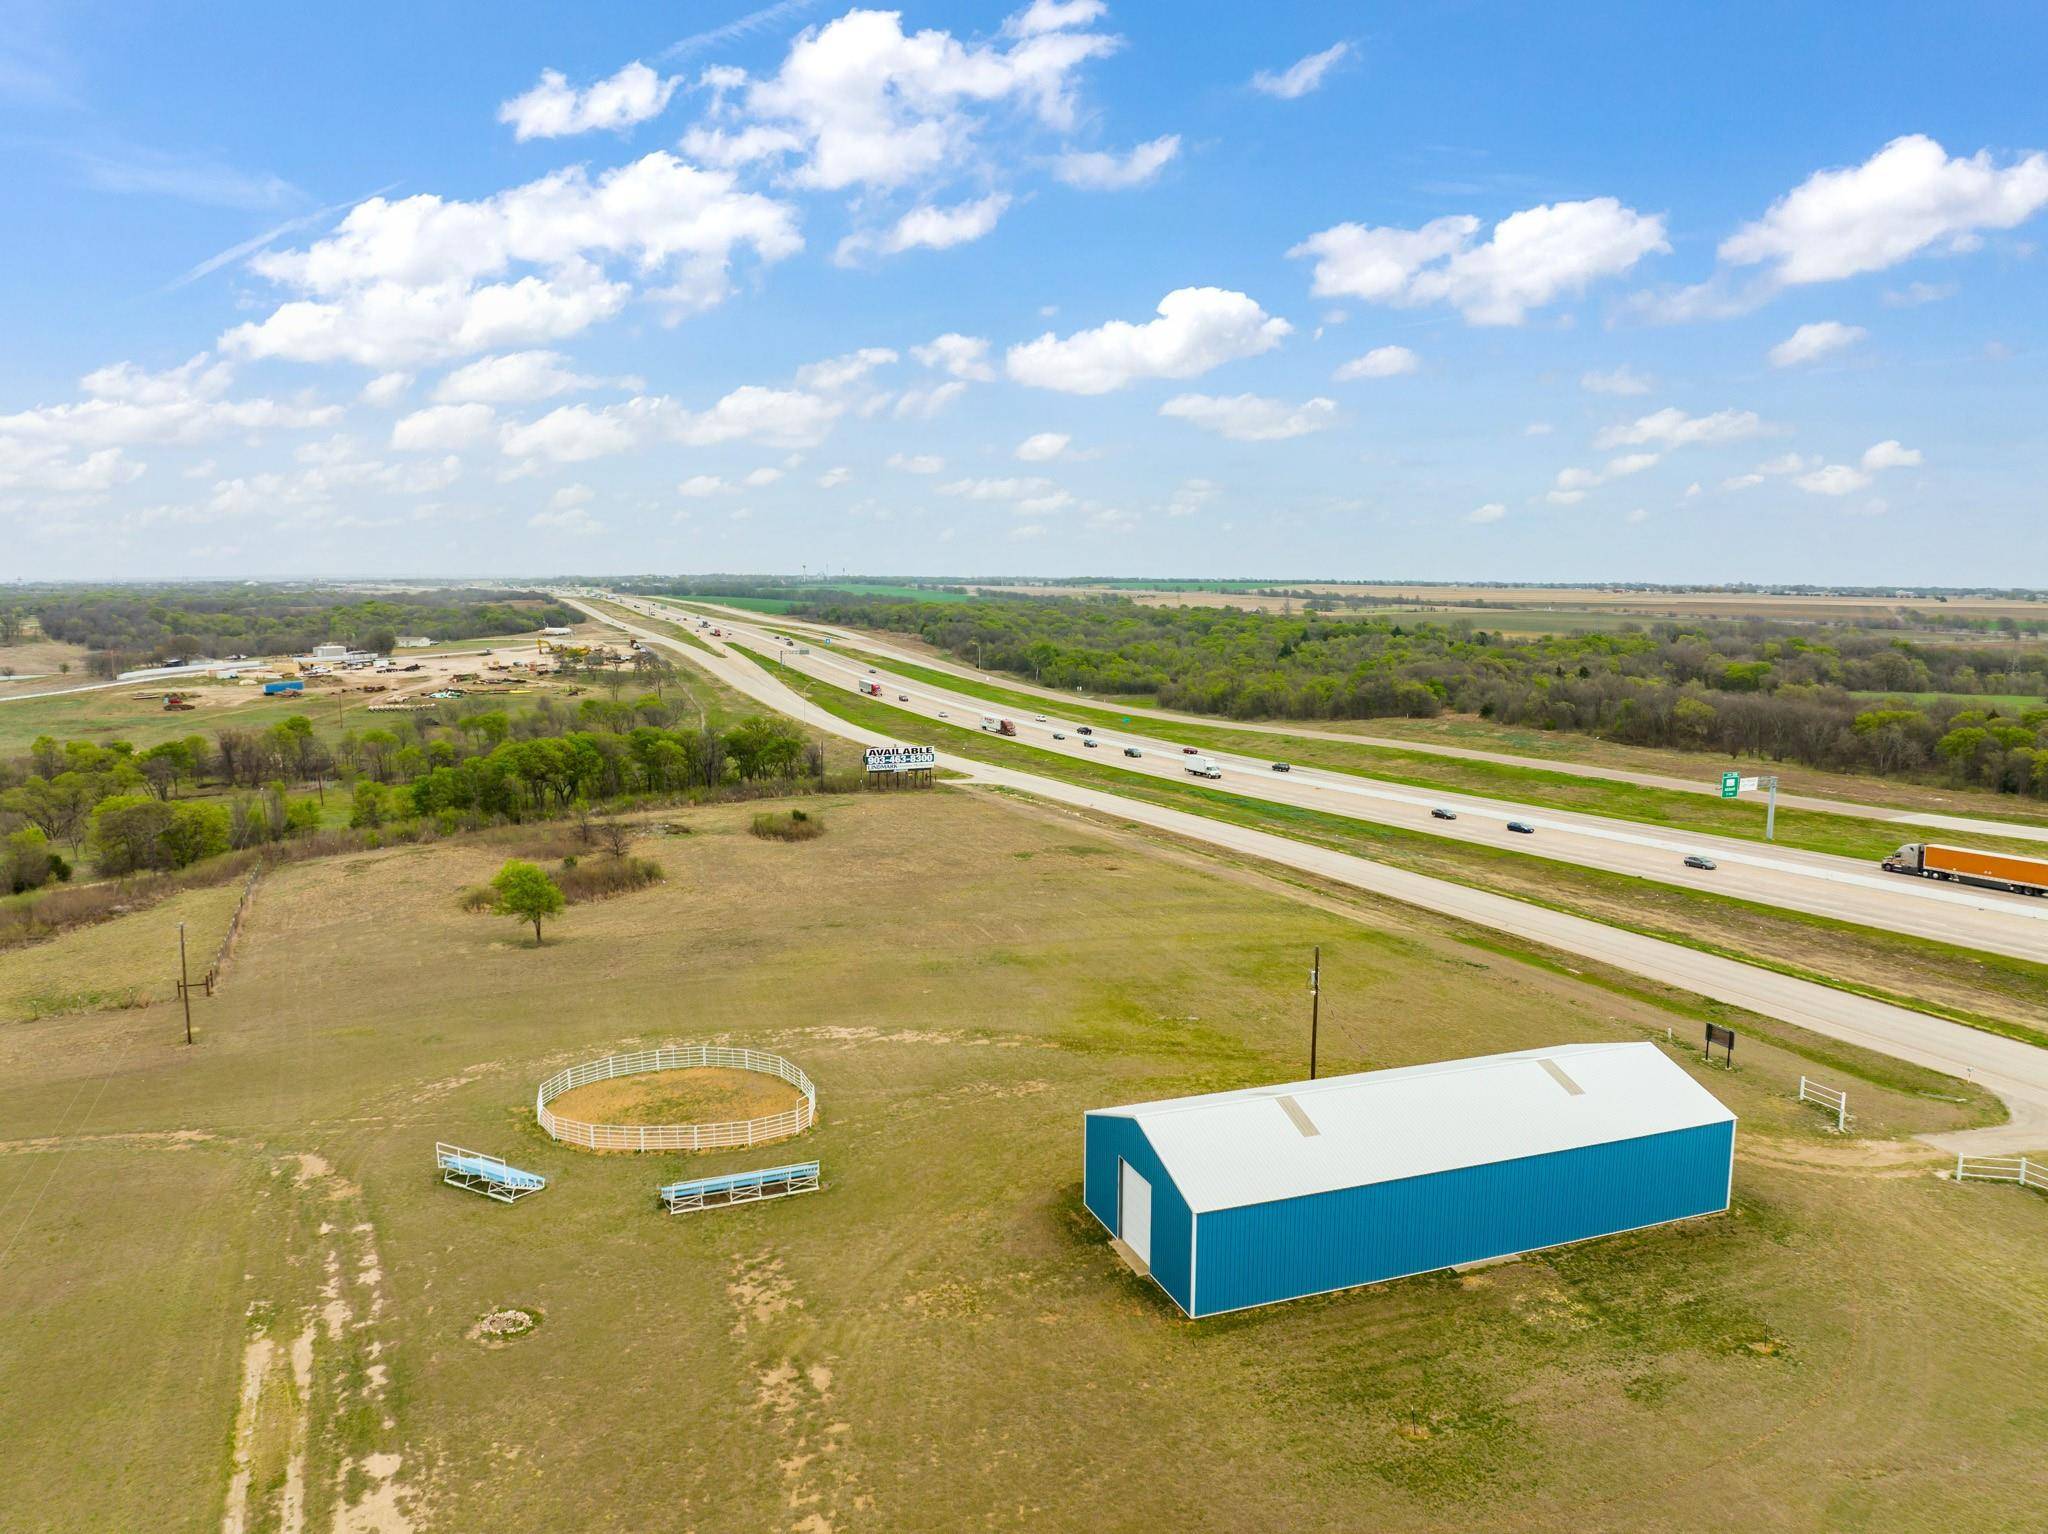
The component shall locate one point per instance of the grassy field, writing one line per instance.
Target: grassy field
(244, 1246)
(1990, 991)
(131, 961)
(1813, 830)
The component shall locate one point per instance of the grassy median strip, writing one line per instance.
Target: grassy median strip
(1810, 830)
(1992, 992)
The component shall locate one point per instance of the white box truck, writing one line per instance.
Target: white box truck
(1203, 767)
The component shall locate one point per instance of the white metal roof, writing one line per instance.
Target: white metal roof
(1264, 1143)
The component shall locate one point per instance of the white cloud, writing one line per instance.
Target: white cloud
(924, 404)
(425, 278)
(962, 356)
(1630, 463)
(1811, 342)
(554, 108)
(1043, 446)
(568, 434)
(1197, 329)
(1252, 417)
(1622, 380)
(1890, 455)
(1914, 294)
(1636, 517)
(50, 470)
(702, 486)
(1095, 171)
(832, 479)
(1742, 482)
(779, 417)
(1533, 258)
(1671, 427)
(1380, 362)
(917, 463)
(572, 495)
(1907, 198)
(127, 406)
(1018, 488)
(1301, 77)
(386, 390)
(841, 372)
(1492, 511)
(443, 428)
(928, 227)
(1053, 16)
(1786, 463)
(512, 378)
(1538, 429)
(566, 519)
(760, 479)
(1833, 479)
(1191, 495)
(858, 103)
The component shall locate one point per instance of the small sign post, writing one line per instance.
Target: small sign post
(1725, 1037)
(1731, 784)
(1315, 1006)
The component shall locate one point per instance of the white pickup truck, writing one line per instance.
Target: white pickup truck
(1202, 767)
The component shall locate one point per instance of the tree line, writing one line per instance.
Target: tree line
(462, 766)
(125, 627)
(1831, 695)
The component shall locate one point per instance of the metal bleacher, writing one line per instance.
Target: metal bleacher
(739, 1187)
(488, 1175)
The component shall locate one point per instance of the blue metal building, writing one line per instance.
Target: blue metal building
(1247, 1198)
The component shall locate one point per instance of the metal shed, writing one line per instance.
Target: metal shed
(1246, 1198)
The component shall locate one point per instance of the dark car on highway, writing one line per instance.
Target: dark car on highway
(1085, 730)
(1443, 814)
(1522, 826)
(1282, 767)
(1132, 751)
(1697, 861)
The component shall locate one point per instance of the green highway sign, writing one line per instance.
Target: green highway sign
(1731, 784)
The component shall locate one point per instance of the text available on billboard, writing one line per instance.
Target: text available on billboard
(902, 758)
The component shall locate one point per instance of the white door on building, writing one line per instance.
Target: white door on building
(1135, 1220)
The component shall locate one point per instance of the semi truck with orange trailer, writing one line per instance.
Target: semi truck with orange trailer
(1990, 870)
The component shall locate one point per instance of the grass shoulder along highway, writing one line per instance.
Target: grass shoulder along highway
(1990, 991)
(1809, 830)
(963, 980)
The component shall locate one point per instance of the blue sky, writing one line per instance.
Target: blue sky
(1464, 292)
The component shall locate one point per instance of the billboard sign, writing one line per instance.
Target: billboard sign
(902, 758)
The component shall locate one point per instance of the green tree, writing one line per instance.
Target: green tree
(371, 805)
(524, 892)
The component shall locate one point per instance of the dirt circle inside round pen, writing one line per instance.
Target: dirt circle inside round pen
(694, 1095)
(680, 1097)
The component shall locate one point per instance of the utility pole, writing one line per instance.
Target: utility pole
(184, 983)
(1315, 1006)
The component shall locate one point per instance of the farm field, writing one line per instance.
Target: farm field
(279, 1230)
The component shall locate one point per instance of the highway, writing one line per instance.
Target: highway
(1914, 824)
(1811, 882)
(2017, 1072)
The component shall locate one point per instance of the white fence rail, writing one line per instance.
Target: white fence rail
(640, 1137)
(2028, 1174)
(1833, 1101)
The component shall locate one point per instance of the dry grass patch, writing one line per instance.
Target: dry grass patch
(787, 826)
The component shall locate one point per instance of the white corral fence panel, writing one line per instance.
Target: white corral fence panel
(2028, 1174)
(644, 1137)
(1835, 1102)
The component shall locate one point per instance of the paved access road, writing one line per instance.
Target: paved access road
(1913, 824)
(1810, 882)
(2017, 1072)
